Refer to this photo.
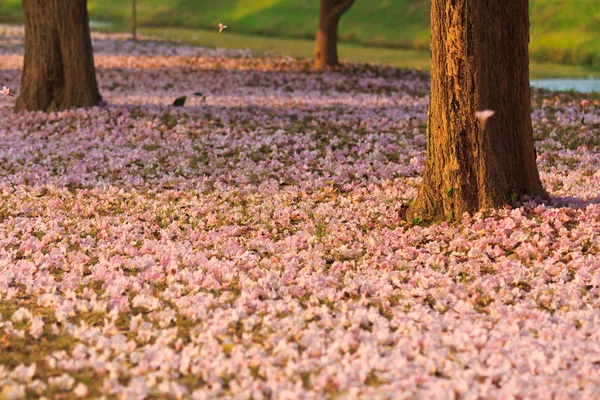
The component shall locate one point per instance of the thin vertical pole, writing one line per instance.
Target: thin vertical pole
(133, 20)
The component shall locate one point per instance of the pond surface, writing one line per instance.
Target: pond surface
(565, 84)
(100, 24)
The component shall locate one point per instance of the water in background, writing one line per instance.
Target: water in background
(560, 84)
(100, 24)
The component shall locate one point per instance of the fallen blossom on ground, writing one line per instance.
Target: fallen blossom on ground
(250, 244)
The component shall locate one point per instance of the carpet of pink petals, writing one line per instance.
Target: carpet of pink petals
(250, 245)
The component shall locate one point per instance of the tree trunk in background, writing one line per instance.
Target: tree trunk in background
(133, 20)
(479, 61)
(58, 71)
(330, 12)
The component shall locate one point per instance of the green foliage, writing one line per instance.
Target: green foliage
(320, 230)
(417, 221)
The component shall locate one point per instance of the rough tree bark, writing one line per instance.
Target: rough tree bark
(58, 71)
(330, 12)
(479, 61)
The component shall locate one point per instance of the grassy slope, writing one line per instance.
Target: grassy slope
(564, 31)
(561, 30)
(303, 48)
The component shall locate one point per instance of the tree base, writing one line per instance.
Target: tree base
(478, 62)
(58, 71)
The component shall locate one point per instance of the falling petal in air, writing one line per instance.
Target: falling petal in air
(483, 116)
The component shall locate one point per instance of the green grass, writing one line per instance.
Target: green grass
(303, 48)
(297, 48)
(396, 31)
(565, 31)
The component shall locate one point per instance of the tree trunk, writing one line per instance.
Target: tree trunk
(330, 12)
(133, 20)
(479, 61)
(326, 54)
(58, 71)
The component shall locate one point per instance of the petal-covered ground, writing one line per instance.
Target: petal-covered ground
(249, 244)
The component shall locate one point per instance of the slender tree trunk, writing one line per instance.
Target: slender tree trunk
(326, 54)
(479, 61)
(330, 12)
(133, 20)
(58, 71)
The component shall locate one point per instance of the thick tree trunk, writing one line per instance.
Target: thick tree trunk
(479, 61)
(58, 71)
(330, 12)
